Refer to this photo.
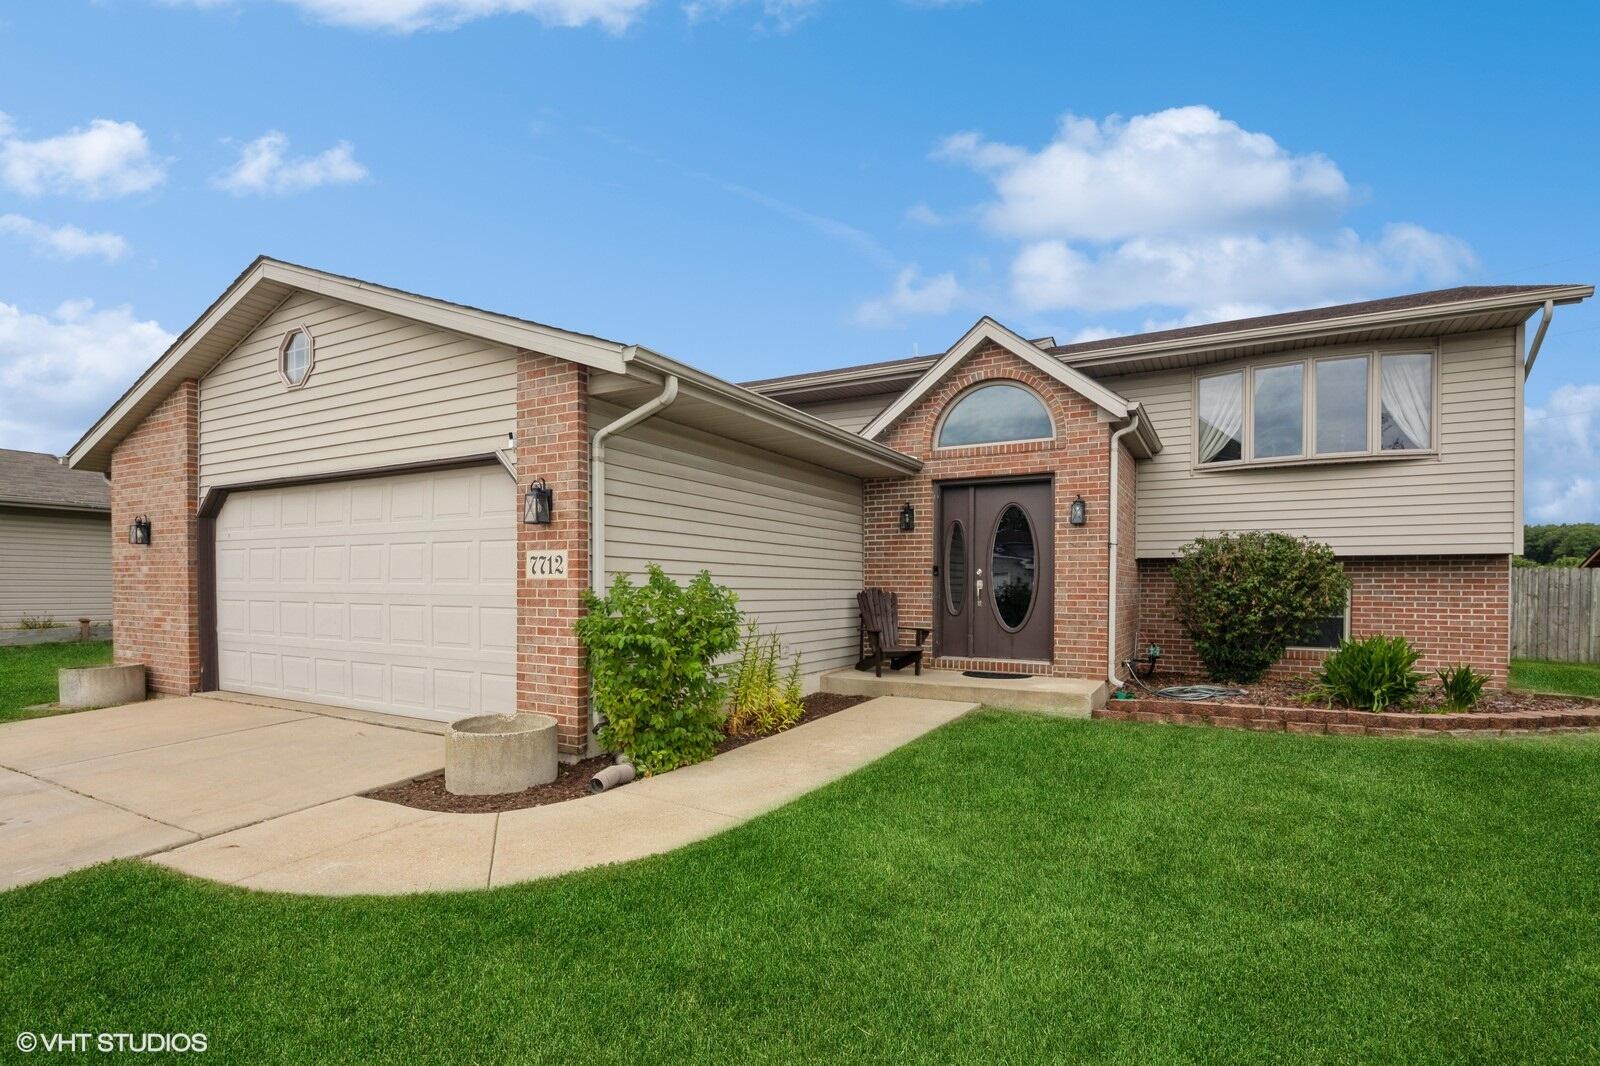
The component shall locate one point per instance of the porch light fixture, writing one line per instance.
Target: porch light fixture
(538, 504)
(908, 518)
(1079, 512)
(139, 531)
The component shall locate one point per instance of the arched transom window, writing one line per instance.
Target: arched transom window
(995, 414)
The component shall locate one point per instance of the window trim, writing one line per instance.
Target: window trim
(1344, 637)
(1308, 399)
(956, 401)
(283, 355)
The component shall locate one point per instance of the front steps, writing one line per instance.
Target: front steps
(1068, 696)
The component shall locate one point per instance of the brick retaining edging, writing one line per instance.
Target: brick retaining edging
(1351, 723)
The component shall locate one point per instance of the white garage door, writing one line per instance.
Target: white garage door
(392, 594)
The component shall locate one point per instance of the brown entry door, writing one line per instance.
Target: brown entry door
(993, 578)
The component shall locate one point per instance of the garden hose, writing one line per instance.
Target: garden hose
(1184, 693)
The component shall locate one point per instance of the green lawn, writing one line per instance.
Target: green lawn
(28, 672)
(1570, 679)
(1008, 888)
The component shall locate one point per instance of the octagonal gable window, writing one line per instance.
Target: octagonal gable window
(295, 356)
(995, 414)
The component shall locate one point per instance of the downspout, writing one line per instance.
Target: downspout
(1111, 544)
(597, 477)
(597, 491)
(1538, 338)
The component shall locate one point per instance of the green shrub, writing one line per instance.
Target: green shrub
(1461, 686)
(38, 621)
(1371, 674)
(1243, 598)
(652, 650)
(759, 702)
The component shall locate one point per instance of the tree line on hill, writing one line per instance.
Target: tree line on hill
(1567, 544)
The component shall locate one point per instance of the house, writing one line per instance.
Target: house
(55, 541)
(1593, 562)
(366, 497)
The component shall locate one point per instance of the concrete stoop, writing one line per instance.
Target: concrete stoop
(1067, 696)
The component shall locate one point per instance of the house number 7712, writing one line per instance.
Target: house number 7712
(546, 566)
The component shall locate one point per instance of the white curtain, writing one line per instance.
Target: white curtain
(1221, 414)
(1408, 394)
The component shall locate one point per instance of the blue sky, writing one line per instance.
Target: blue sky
(760, 188)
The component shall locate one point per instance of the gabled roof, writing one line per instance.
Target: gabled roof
(35, 479)
(986, 330)
(264, 285)
(1468, 307)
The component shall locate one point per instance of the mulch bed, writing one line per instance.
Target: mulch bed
(572, 779)
(1289, 705)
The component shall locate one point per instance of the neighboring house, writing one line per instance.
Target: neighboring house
(341, 480)
(1593, 562)
(55, 541)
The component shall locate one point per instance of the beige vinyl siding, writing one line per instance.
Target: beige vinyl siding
(54, 563)
(383, 391)
(1462, 502)
(853, 414)
(784, 535)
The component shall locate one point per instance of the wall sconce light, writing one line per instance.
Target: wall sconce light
(1079, 512)
(908, 518)
(538, 504)
(139, 531)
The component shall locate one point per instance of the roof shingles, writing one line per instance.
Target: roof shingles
(35, 479)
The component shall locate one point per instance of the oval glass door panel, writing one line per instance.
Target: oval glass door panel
(955, 569)
(1011, 567)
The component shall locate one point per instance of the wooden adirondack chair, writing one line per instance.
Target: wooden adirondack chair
(880, 631)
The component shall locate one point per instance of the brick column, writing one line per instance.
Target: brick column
(553, 444)
(155, 590)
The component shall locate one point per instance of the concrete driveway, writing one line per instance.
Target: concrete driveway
(78, 789)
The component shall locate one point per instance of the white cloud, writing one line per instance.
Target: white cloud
(1189, 214)
(1562, 453)
(59, 371)
(409, 16)
(1228, 276)
(912, 295)
(264, 167)
(1183, 170)
(924, 215)
(103, 160)
(63, 242)
(782, 15)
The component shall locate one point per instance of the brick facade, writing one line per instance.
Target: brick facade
(553, 444)
(1077, 461)
(155, 588)
(1453, 608)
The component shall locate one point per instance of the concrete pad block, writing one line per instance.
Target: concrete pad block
(47, 831)
(99, 686)
(596, 830)
(438, 853)
(241, 853)
(39, 743)
(223, 782)
(1068, 696)
(491, 754)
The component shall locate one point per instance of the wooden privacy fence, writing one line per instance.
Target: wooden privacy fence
(1555, 614)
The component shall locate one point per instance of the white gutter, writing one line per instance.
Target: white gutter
(597, 476)
(1538, 338)
(1111, 543)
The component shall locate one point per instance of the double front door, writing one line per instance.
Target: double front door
(993, 589)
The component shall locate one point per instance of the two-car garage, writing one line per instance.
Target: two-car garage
(392, 593)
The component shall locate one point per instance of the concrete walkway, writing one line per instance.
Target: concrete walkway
(356, 845)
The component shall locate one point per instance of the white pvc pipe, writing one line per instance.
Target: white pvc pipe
(1111, 543)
